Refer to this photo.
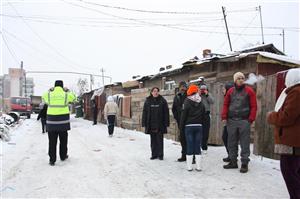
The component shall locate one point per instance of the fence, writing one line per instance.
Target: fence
(263, 137)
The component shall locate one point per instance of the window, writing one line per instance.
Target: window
(169, 85)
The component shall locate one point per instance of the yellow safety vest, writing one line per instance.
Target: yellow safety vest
(58, 101)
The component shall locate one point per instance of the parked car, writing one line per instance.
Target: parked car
(21, 105)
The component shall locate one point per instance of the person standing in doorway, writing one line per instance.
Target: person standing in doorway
(177, 109)
(58, 119)
(156, 119)
(239, 111)
(207, 101)
(286, 119)
(95, 110)
(43, 116)
(191, 121)
(110, 114)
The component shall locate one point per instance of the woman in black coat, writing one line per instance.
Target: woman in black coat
(155, 119)
(43, 116)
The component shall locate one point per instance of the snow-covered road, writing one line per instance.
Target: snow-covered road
(99, 166)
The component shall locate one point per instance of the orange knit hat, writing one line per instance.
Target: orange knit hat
(192, 89)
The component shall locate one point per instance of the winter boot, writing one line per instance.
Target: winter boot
(226, 159)
(63, 159)
(189, 160)
(198, 162)
(182, 159)
(231, 165)
(153, 157)
(244, 168)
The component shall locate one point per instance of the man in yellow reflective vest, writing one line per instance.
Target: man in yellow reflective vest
(58, 119)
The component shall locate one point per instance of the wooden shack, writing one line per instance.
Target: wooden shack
(218, 70)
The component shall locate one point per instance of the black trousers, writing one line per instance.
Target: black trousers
(43, 121)
(182, 141)
(290, 169)
(111, 123)
(95, 114)
(63, 144)
(225, 138)
(157, 144)
(206, 127)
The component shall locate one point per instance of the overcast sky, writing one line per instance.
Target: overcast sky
(132, 37)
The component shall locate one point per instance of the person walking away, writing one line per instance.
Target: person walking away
(177, 109)
(155, 119)
(286, 119)
(239, 111)
(191, 121)
(225, 133)
(110, 114)
(58, 119)
(43, 116)
(207, 101)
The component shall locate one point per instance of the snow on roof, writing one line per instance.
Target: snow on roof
(260, 47)
(281, 58)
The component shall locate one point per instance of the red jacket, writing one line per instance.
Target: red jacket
(252, 103)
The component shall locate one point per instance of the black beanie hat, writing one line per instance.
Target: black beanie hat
(59, 83)
(183, 83)
(229, 85)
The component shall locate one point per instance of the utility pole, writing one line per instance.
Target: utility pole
(283, 40)
(25, 84)
(261, 25)
(102, 71)
(223, 10)
(3, 81)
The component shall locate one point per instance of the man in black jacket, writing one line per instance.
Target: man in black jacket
(207, 101)
(177, 109)
(43, 116)
(155, 119)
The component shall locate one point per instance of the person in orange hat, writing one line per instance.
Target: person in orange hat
(191, 121)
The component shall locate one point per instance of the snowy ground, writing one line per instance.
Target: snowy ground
(100, 166)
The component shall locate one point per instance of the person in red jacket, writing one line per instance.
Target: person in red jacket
(239, 111)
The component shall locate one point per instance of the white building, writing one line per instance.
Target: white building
(13, 85)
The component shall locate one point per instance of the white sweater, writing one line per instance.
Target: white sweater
(110, 108)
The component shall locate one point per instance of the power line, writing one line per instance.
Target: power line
(28, 44)
(115, 24)
(251, 21)
(149, 11)
(11, 52)
(44, 41)
(55, 20)
(133, 19)
(178, 26)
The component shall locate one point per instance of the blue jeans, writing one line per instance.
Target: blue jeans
(193, 135)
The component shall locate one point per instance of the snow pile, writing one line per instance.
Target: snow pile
(100, 166)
